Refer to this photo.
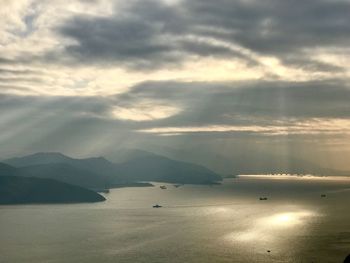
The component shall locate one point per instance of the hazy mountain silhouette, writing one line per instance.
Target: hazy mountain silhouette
(66, 173)
(96, 164)
(101, 173)
(38, 158)
(22, 190)
(7, 170)
(246, 162)
(124, 155)
(90, 172)
(152, 167)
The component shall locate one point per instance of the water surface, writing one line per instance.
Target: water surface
(226, 223)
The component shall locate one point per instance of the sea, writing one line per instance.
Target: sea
(304, 219)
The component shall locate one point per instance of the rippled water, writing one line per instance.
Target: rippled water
(226, 223)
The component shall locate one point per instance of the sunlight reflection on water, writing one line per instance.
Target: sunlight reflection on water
(270, 227)
(287, 219)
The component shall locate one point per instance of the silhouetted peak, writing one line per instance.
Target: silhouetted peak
(50, 155)
(38, 158)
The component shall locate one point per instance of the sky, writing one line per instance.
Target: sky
(197, 79)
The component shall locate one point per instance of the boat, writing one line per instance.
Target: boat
(263, 198)
(162, 187)
(157, 206)
(323, 195)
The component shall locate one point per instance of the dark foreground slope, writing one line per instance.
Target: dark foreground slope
(22, 190)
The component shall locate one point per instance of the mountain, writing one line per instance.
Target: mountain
(22, 190)
(7, 170)
(98, 165)
(249, 162)
(161, 169)
(66, 173)
(38, 158)
(90, 172)
(124, 155)
(101, 173)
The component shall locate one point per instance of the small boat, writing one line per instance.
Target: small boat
(263, 198)
(162, 187)
(157, 206)
(323, 195)
(177, 185)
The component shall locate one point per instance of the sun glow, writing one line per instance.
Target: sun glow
(270, 227)
(144, 112)
(286, 219)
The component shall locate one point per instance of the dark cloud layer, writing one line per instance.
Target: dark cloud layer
(256, 102)
(151, 33)
(203, 104)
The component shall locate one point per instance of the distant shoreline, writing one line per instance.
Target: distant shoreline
(295, 176)
(136, 184)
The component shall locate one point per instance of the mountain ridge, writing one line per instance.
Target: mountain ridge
(144, 166)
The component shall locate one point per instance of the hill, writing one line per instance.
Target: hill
(7, 170)
(125, 155)
(249, 162)
(101, 173)
(161, 169)
(97, 173)
(96, 164)
(38, 158)
(66, 173)
(21, 190)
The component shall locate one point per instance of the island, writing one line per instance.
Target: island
(30, 190)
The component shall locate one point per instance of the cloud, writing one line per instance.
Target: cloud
(159, 105)
(150, 33)
(119, 40)
(287, 128)
(144, 112)
(141, 35)
(87, 75)
(105, 47)
(253, 102)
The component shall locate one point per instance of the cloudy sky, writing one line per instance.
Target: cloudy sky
(226, 77)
